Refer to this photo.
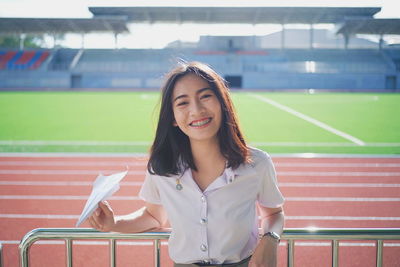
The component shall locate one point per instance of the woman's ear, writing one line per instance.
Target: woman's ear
(174, 123)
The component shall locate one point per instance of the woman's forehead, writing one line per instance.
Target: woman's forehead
(190, 83)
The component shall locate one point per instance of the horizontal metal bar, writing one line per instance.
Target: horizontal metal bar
(342, 233)
(289, 233)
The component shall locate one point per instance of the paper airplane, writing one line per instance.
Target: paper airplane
(103, 188)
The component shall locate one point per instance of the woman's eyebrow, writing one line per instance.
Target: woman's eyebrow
(203, 89)
(178, 97)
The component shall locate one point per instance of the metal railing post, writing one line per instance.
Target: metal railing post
(290, 253)
(112, 253)
(379, 253)
(157, 253)
(1, 254)
(69, 252)
(335, 253)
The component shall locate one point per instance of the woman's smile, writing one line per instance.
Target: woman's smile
(201, 123)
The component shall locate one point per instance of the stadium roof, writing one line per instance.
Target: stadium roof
(48, 25)
(370, 26)
(252, 15)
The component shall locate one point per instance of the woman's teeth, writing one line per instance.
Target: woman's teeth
(200, 123)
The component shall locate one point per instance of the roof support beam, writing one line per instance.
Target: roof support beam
(116, 40)
(346, 40)
(380, 41)
(22, 37)
(311, 36)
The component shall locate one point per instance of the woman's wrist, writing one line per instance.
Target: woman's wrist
(273, 236)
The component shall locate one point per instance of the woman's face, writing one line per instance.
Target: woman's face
(196, 108)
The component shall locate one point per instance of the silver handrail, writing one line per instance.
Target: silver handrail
(333, 234)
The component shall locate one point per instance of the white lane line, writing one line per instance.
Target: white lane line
(322, 144)
(341, 199)
(309, 119)
(144, 163)
(337, 174)
(144, 143)
(72, 143)
(78, 154)
(336, 165)
(283, 173)
(287, 217)
(341, 218)
(344, 244)
(73, 163)
(133, 155)
(40, 216)
(333, 185)
(138, 184)
(60, 183)
(147, 243)
(60, 197)
(66, 172)
(70, 197)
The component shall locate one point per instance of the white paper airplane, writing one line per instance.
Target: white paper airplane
(103, 188)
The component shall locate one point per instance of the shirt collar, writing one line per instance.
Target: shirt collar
(228, 176)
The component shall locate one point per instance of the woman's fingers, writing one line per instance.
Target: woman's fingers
(106, 208)
(94, 223)
(103, 217)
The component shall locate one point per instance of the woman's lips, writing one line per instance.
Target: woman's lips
(200, 123)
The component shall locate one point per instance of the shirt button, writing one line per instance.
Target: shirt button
(203, 221)
(203, 247)
(203, 199)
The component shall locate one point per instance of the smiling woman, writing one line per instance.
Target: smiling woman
(192, 94)
(199, 164)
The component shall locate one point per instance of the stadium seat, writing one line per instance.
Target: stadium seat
(22, 60)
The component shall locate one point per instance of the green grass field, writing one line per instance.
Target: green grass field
(125, 122)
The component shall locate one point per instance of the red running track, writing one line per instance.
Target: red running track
(41, 192)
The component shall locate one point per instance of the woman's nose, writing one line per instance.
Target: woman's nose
(197, 108)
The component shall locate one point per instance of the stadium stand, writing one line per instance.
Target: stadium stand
(290, 59)
(352, 69)
(22, 60)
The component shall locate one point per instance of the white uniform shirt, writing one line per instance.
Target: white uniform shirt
(218, 225)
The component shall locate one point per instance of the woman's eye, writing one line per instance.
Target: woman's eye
(181, 103)
(206, 96)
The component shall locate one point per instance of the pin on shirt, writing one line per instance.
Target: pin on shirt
(178, 186)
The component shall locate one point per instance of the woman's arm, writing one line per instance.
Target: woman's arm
(151, 216)
(265, 254)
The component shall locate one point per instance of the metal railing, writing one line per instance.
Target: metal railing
(333, 234)
(1, 254)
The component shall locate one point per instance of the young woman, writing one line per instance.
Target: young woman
(204, 180)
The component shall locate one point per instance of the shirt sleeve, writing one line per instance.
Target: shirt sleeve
(269, 195)
(149, 191)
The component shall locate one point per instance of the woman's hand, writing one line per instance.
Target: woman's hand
(103, 218)
(265, 254)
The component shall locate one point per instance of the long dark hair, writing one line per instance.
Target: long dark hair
(171, 153)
